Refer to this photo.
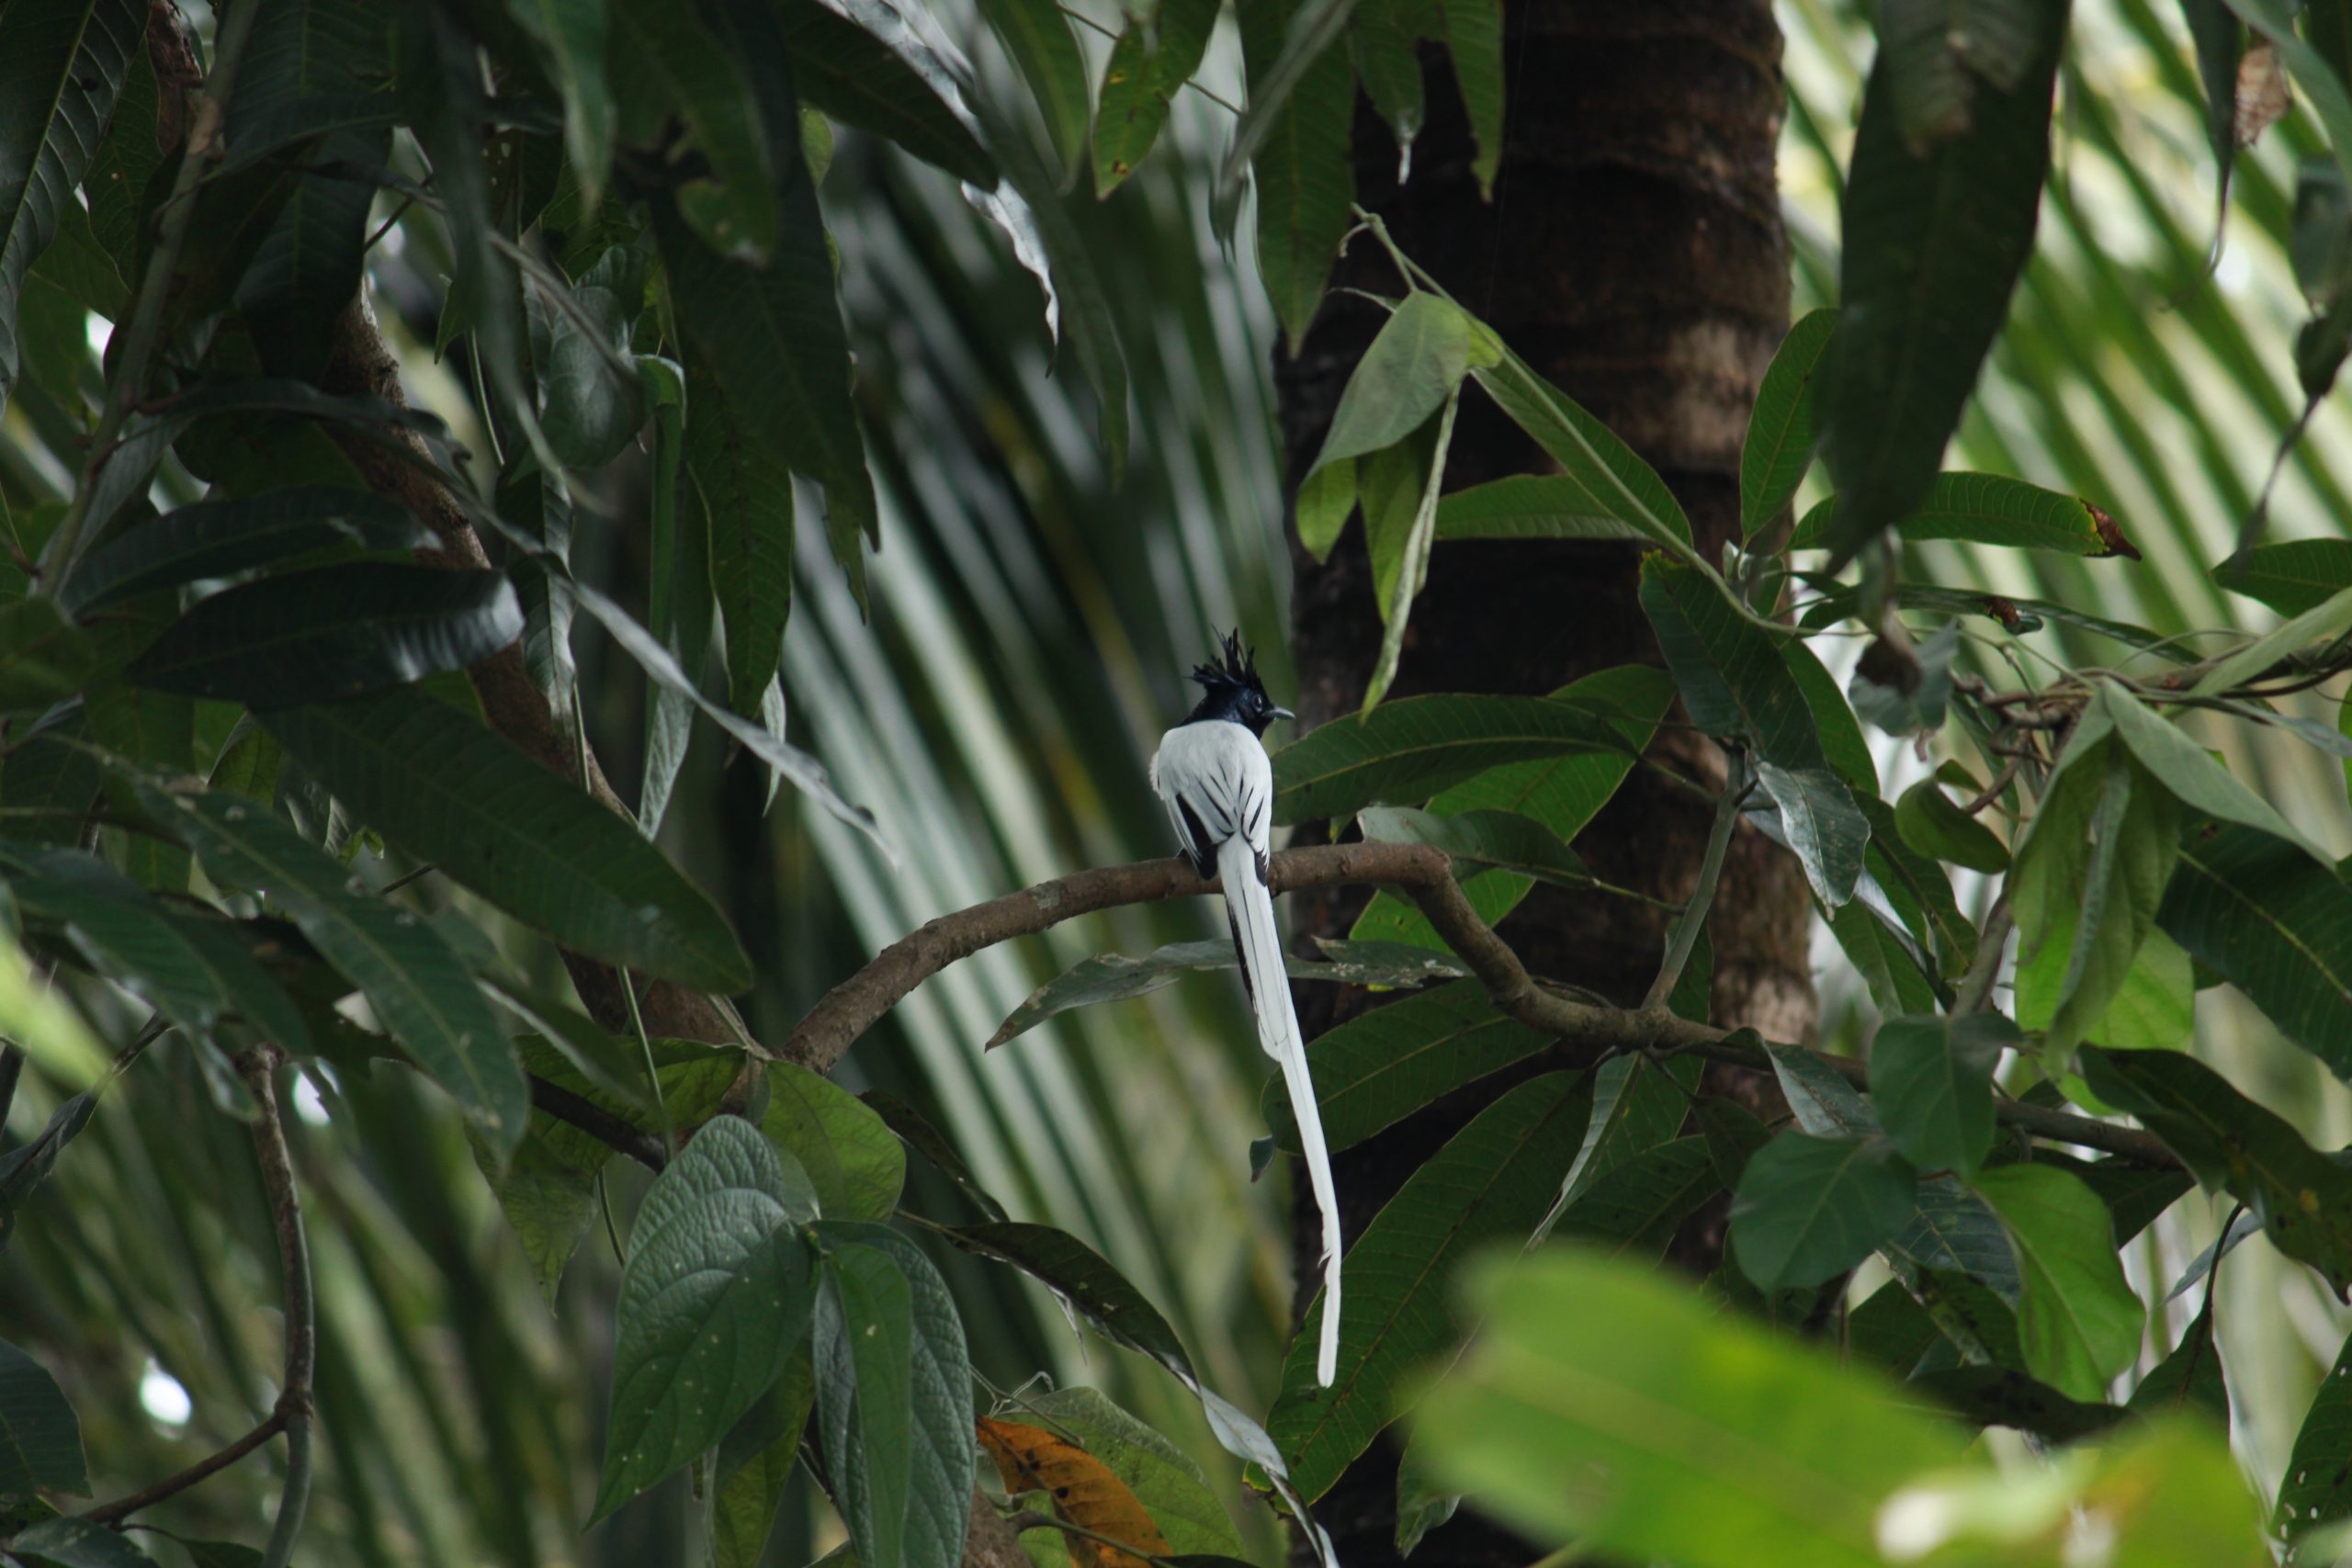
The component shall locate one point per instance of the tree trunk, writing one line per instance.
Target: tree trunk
(1633, 255)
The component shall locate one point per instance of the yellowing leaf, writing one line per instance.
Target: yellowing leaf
(1084, 1491)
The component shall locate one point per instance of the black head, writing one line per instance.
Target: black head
(1231, 690)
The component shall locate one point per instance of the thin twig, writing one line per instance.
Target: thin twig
(1693, 918)
(1994, 791)
(1976, 986)
(1426, 877)
(123, 1508)
(653, 1073)
(294, 1403)
(154, 289)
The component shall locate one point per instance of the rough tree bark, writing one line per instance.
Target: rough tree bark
(1633, 254)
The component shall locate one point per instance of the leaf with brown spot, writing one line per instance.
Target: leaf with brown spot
(1085, 1491)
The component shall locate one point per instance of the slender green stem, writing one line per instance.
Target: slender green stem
(1976, 986)
(1693, 918)
(260, 1066)
(653, 1073)
(154, 288)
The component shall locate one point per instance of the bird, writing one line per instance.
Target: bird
(1213, 774)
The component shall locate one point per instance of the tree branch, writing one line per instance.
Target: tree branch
(294, 1406)
(1422, 874)
(599, 1123)
(204, 1468)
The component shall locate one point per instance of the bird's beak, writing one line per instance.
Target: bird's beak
(1284, 713)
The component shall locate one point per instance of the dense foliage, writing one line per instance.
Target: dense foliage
(301, 809)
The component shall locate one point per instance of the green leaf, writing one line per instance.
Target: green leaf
(1930, 823)
(2290, 577)
(548, 1202)
(1906, 691)
(680, 597)
(1935, 238)
(1038, 37)
(1781, 430)
(1733, 1132)
(1301, 167)
(336, 632)
(26, 1167)
(1489, 839)
(1408, 750)
(116, 183)
(2191, 773)
(1809, 1209)
(2275, 923)
(1841, 731)
(1931, 1079)
(771, 340)
(2303, 1198)
(1415, 363)
(1735, 684)
(2190, 1379)
(65, 64)
(1387, 1063)
(1493, 1179)
(741, 499)
(571, 36)
(2091, 871)
(715, 1296)
(2317, 1488)
(2079, 1321)
(1528, 506)
(1113, 976)
(44, 657)
(40, 1440)
(2325, 621)
(1602, 1403)
(756, 1460)
(864, 67)
(1616, 482)
(851, 1158)
(1149, 62)
(667, 64)
(593, 405)
(938, 1409)
(1988, 509)
(2003, 1396)
(78, 1543)
(864, 1395)
(218, 538)
(1636, 1105)
(455, 795)
(1087, 1284)
(420, 991)
(1160, 1474)
(1325, 499)
(1636, 1207)
(1401, 536)
(1473, 39)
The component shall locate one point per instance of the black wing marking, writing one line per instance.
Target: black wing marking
(1234, 925)
(1199, 845)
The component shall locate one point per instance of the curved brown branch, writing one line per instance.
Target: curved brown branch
(260, 1067)
(1422, 874)
(202, 1470)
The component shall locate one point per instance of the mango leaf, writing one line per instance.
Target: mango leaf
(593, 405)
(2079, 1323)
(852, 1159)
(40, 1440)
(217, 538)
(1420, 358)
(1783, 429)
(1989, 508)
(2303, 1198)
(66, 63)
(44, 657)
(1935, 237)
(675, 68)
(1735, 684)
(1387, 1063)
(1930, 823)
(77, 1543)
(1841, 731)
(1562, 793)
(1809, 1209)
(1493, 1179)
(336, 632)
(1038, 37)
(1905, 692)
(2004, 1396)
(2316, 1489)
(1527, 506)
(1299, 161)
(773, 341)
(2189, 1378)
(1931, 1079)
(1636, 1207)
(1092, 1286)
(452, 793)
(2190, 772)
(1636, 1105)
(939, 1398)
(2274, 922)
(863, 65)
(1113, 976)
(1616, 482)
(2324, 622)
(1488, 838)
(715, 1295)
(1408, 750)
(2290, 577)
(420, 991)
(1149, 62)
(1575, 1415)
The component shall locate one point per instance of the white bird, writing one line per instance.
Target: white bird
(1213, 774)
